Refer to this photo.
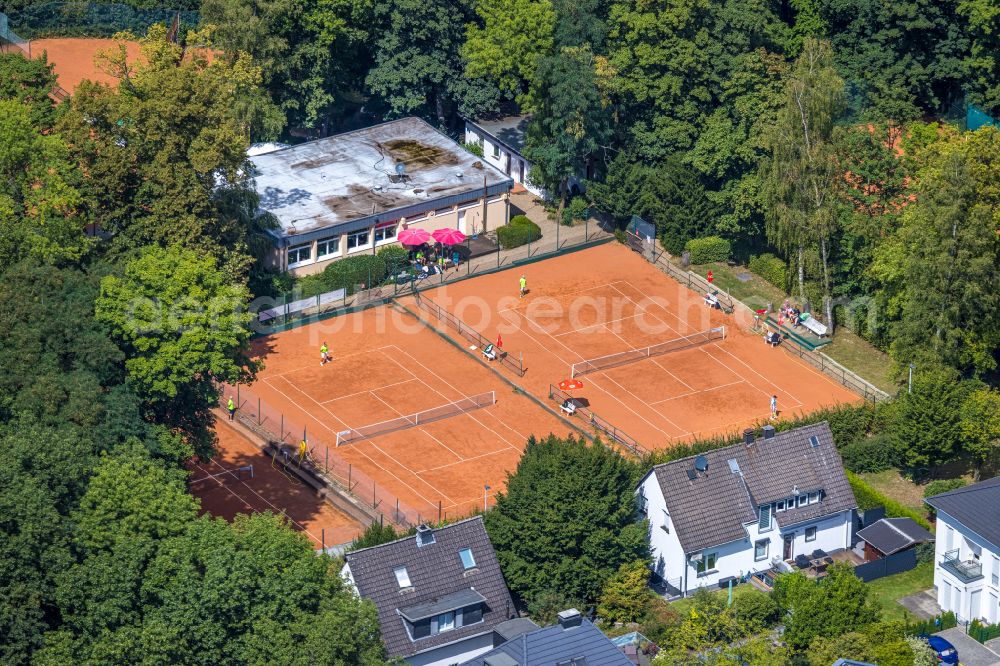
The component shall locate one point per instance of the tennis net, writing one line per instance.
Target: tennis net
(424, 417)
(633, 355)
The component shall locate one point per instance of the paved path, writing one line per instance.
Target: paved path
(923, 605)
(970, 651)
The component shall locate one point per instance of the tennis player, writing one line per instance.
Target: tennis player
(774, 406)
(231, 406)
(524, 286)
(324, 354)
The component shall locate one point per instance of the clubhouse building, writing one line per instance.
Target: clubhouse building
(354, 192)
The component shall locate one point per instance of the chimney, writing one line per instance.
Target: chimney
(768, 431)
(748, 437)
(570, 618)
(425, 535)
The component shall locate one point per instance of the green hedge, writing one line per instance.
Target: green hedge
(576, 210)
(348, 273)
(395, 258)
(771, 268)
(873, 454)
(869, 498)
(708, 249)
(519, 231)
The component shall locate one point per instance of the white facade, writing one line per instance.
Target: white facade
(757, 551)
(503, 158)
(966, 572)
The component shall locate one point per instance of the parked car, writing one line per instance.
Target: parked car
(943, 650)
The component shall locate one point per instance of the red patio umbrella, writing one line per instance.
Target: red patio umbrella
(413, 236)
(448, 236)
(570, 384)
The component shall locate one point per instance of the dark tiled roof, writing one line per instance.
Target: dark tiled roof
(448, 602)
(976, 506)
(513, 628)
(711, 509)
(509, 130)
(891, 535)
(551, 645)
(436, 572)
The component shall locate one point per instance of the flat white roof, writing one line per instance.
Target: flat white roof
(352, 177)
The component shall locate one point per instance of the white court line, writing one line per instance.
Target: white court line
(262, 498)
(392, 474)
(421, 429)
(766, 380)
(629, 408)
(629, 298)
(697, 391)
(561, 295)
(481, 455)
(605, 323)
(333, 359)
(686, 385)
(351, 395)
(470, 414)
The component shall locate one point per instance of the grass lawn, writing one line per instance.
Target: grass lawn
(863, 358)
(683, 606)
(887, 590)
(895, 486)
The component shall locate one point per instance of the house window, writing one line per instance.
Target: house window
(443, 211)
(765, 518)
(666, 522)
(496, 150)
(446, 621)
(386, 233)
(996, 570)
(760, 550)
(707, 563)
(803, 499)
(355, 240)
(810, 534)
(472, 615)
(949, 539)
(641, 503)
(299, 254)
(468, 561)
(402, 577)
(421, 629)
(779, 505)
(327, 246)
(813, 498)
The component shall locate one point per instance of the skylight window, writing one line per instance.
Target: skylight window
(813, 441)
(468, 561)
(402, 577)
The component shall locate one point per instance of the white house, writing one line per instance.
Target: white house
(967, 554)
(502, 140)
(746, 507)
(439, 594)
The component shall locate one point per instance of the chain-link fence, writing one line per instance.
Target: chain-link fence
(10, 41)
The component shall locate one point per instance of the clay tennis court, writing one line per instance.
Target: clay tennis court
(73, 58)
(386, 364)
(269, 489)
(608, 299)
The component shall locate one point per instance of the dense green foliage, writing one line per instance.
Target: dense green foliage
(626, 595)
(565, 522)
(828, 607)
(519, 231)
(708, 249)
(770, 268)
(869, 498)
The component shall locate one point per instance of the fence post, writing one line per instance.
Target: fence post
(281, 430)
(260, 416)
(327, 463)
(439, 511)
(350, 467)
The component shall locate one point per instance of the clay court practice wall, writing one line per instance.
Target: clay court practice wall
(607, 299)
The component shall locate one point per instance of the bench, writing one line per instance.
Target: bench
(813, 325)
(490, 352)
(568, 407)
(724, 582)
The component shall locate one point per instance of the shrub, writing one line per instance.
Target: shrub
(351, 272)
(620, 236)
(771, 268)
(576, 210)
(625, 596)
(754, 610)
(474, 147)
(545, 606)
(942, 486)
(869, 498)
(874, 454)
(517, 232)
(708, 249)
(394, 257)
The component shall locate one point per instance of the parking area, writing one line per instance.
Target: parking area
(970, 651)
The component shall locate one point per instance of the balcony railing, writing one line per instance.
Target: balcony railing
(967, 571)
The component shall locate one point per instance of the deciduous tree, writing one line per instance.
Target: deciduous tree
(565, 521)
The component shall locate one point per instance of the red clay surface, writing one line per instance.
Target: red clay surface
(608, 299)
(386, 364)
(270, 489)
(73, 59)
